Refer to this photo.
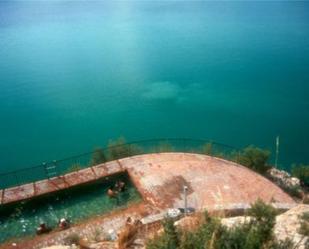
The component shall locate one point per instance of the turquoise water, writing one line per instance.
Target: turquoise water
(76, 205)
(74, 74)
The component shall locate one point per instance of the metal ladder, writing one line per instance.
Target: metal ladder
(50, 170)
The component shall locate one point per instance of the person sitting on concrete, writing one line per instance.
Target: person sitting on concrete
(42, 228)
(129, 221)
(63, 224)
(111, 193)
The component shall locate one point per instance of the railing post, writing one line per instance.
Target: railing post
(16, 178)
(45, 169)
(238, 156)
(55, 164)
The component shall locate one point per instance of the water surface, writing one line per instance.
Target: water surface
(75, 74)
(75, 204)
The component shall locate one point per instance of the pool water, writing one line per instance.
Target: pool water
(75, 204)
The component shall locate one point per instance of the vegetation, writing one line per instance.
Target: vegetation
(119, 149)
(252, 157)
(98, 157)
(302, 173)
(169, 239)
(207, 149)
(255, 159)
(73, 238)
(294, 191)
(127, 236)
(74, 167)
(210, 234)
(211, 150)
(304, 226)
(163, 147)
(97, 235)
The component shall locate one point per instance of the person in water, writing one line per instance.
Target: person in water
(111, 193)
(63, 224)
(42, 228)
(120, 186)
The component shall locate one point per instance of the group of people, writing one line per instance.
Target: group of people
(62, 224)
(113, 191)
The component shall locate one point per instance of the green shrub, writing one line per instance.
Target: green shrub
(74, 167)
(172, 240)
(232, 238)
(207, 149)
(120, 149)
(294, 191)
(72, 238)
(304, 225)
(264, 220)
(256, 234)
(302, 173)
(164, 147)
(169, 239)
(255, 159)
(157, 243)
(285, 244)
(187, 240)
(98, 157)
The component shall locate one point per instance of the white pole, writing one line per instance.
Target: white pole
(277, 151)
(185, 188)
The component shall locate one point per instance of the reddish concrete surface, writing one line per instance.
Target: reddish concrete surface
(38, 188)
(18, 193)
(213, 183)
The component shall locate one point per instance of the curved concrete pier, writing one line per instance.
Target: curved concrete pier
(212, 183)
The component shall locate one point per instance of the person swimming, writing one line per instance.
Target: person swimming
(120, 186)
(42, 228)
(111, 193)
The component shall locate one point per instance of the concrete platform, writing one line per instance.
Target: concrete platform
(213, 183)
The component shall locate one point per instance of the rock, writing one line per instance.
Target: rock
(187, 223)
(288, 223)
(173, 212)
(60, 247)
(112, 234)
(283, 178)
(306, 199)
(104, 245)
(235, 221)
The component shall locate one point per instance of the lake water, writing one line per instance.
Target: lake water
(75, 74)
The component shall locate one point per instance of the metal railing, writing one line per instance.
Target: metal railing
(102, 155)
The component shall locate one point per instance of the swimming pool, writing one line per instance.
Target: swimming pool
(76, 204)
